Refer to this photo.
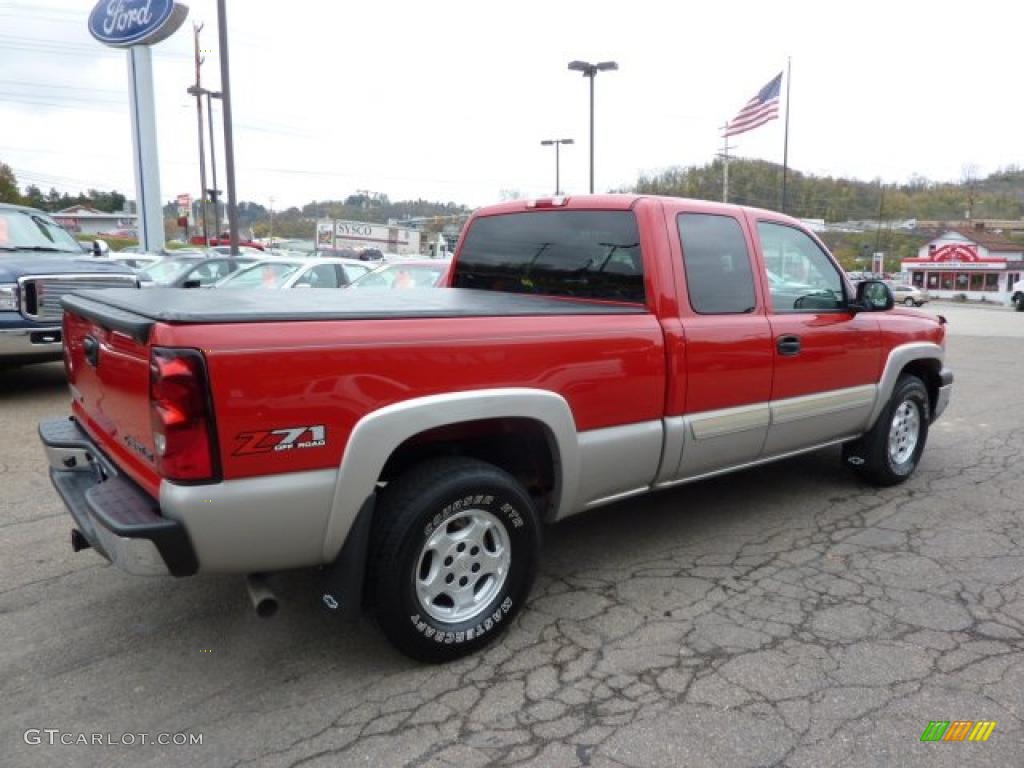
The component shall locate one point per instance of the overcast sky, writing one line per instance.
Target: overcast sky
(450, 100)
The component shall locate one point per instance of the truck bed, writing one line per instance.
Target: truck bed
(134, 312)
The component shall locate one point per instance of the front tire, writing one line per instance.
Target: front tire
(909, 302)
(891, 450)
(457, 546)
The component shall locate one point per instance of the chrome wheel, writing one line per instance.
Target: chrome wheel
(904, 432)
(909, 302)
(462, 566)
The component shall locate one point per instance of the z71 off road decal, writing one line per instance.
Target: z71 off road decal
(269, 441)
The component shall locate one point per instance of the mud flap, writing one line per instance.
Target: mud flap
(342, 583)
(854, 452)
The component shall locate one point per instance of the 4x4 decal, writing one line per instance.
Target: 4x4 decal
(268, 441)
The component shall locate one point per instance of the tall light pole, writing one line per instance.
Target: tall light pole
(591, 70)
(229, 141)
(557, 144)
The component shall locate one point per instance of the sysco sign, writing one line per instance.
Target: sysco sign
(123, 23)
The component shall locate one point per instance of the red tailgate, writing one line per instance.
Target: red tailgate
(109, 379)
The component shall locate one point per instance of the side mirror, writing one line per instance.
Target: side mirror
(873, 296)
(100, 248)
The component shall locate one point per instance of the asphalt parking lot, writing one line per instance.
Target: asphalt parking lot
(786, 616)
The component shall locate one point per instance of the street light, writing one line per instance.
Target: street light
(557, 144)
(591, 70)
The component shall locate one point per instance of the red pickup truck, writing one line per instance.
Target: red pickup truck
(411, 445)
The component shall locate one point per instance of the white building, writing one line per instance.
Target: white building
(975, 262)
(81, 219)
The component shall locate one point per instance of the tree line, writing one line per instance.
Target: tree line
(1000, 195)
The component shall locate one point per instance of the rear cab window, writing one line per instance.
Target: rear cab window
(581, 254)
(716, 260)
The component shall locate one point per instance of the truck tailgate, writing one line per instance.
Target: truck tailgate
(108, 373)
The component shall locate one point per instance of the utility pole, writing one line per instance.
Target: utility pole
(213, 160)
(197, 90)
(881, 204)
(229, 142)
(271, 237)
(878, 232)
(724, 154)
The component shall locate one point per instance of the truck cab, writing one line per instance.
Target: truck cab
(40, 263)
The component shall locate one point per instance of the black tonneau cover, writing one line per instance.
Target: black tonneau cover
(134, 311)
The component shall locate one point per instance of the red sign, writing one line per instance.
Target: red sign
(954, 252)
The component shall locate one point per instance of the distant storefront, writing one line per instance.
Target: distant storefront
(83, 220)
(975, 262)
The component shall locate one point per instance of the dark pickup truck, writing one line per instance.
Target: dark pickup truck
(40, 263)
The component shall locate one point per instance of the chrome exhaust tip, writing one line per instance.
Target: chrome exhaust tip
(263, 600)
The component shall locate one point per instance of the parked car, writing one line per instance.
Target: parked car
(337, 253)
(245, 250)
(412, 443)
(39, 263)
(135, 260)
(1017, 296)
(297, 273)
(412, 273)
(370, 254)
(908, 295)
(194, 271)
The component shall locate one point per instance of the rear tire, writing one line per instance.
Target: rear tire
(457, 543)
(1018, 302)
(890, 451)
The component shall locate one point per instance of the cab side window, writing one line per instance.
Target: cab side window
(719, 279)
(801, 276)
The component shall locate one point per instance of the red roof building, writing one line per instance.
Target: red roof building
(978, 263)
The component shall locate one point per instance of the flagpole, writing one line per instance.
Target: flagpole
(785, 143)
(724, 154)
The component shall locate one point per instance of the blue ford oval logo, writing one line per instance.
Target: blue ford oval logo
(123, 23)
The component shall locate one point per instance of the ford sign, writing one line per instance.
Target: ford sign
(124, 23)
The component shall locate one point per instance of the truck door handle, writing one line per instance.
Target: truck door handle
(788, 345)
(91, 348)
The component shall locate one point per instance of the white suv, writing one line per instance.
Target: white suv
(908, 294)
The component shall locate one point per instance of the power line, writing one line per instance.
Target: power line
(60, 86)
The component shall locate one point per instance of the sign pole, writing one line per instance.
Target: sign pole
(144, 152)
(134, 25)
(229, 142)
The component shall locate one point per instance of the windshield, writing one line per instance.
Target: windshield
(265, 274)
(397, 276)
(166, 270)
(28, 229)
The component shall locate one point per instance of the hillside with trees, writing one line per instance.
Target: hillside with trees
(756, 182)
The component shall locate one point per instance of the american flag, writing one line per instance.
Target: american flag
(759, 110)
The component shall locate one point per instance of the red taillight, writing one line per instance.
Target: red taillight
(183, 431)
